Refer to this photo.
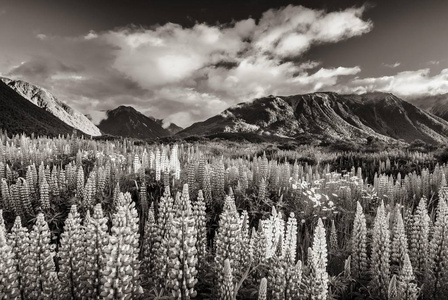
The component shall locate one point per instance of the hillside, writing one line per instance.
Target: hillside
(125, 121)
(328, 116)
(18, 115)
(44, 99)
(436, 105)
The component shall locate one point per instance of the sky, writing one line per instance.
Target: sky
(184, 61)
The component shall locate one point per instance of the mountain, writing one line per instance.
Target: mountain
(437, 104)
(44, 99)
(125, 121)
(327, 116)
(18, 115)
(172, 128)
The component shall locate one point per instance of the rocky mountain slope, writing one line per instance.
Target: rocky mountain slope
(125, 121)
(45, 100)
(328, 116)
(18, 115)
(437, 105)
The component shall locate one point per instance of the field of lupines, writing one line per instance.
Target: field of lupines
(85, 219)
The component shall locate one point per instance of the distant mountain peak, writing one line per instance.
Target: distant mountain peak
(126, 121)
(125, 108)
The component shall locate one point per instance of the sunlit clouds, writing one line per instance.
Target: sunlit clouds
(185, 75)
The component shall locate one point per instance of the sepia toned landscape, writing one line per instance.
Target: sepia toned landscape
(223, 150)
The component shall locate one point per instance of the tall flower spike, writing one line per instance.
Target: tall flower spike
(244, 256)
(293, 280)
(260, 248)
(121, 268)
(182, 252)
(158, 165)
(319, 276)
(206, 184)
(25, 197)
(201, 172)
(227, 290)
(333, 237)
(45, 194)
(96, 239)
(277, 273)
(2, 220)
(392, 292)
(144, 205)
(9, 284)
(399, 246)
(134, 237)
(192, 178)
(418, 241)
(41, 266)
(226, 240)
(80, 183)
(160, 243)
(218, 179)
(291, 239)
(72, 254)
(19, 241)
(30, 181)
(262, 191)
(359, 245)
(407, 289)
(435, 282)
(6, 197)
(199, 214)
(115, 203)
(54, 187)
(262, 291)
(380, 268)
(149, 239)
(101, 181)
(15, 199)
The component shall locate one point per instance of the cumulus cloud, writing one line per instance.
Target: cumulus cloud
(170, 53)
(291, 31)
(41, 36)
(91, 35)
(407, 83)
(38, 67)
(189, 74)
(392, 66)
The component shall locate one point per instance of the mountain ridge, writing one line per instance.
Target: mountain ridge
(18, 115)
(328, 115)
(44, 99)
(434, 104)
